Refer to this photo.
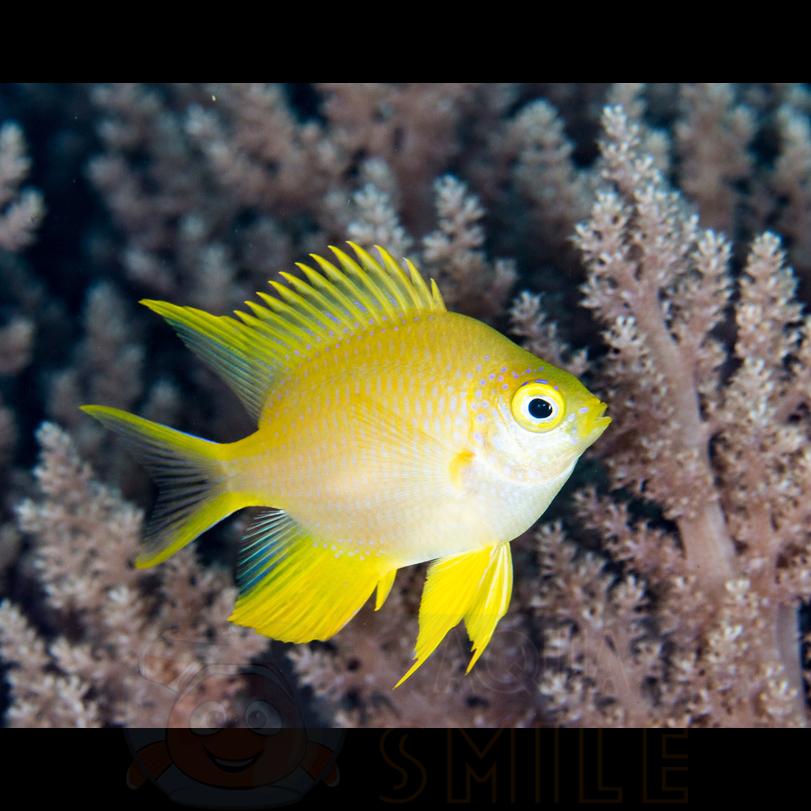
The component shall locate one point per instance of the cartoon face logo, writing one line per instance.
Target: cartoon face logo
(252, 748)
(262, 742)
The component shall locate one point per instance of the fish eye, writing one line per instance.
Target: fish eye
(538, 406)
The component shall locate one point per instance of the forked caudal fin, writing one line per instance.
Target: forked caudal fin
(190, 474)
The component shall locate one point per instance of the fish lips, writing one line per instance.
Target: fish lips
(593, 423)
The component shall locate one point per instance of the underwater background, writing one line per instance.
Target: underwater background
(655, 240)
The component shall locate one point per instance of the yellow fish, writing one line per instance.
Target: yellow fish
(390, 432)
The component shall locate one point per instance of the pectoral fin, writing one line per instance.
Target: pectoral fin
(475, 586)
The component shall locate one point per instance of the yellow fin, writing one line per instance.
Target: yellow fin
(189, 473)
(296, 587)
(474, 586)
(249, 352)
(491, 602)
(384, 588)
(245, 359)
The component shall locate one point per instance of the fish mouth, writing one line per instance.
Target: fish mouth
(594, 422)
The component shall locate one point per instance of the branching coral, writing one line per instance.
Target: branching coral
(20, 211)
(454, 252)
(701, 626)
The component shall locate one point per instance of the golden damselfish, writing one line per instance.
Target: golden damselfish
(390, 432)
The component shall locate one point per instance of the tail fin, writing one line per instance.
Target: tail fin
(190, 475)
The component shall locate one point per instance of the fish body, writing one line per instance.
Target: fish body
(386, 428)
(389, 432)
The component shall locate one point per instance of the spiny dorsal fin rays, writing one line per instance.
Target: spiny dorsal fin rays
(397, 275)
(381, 300)
(324, 312)
(437, 296)
(342, 288)
(316, 281)
(250, 351)
(419, 283)
(296, 308)
(388, 276)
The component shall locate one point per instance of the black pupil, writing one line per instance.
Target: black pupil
(540, 409)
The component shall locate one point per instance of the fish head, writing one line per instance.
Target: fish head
(544, 421)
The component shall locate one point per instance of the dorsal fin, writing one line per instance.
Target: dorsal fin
(305, 316)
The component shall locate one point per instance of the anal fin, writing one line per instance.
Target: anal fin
(295, 587)
(384, 588)
(474, 586)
